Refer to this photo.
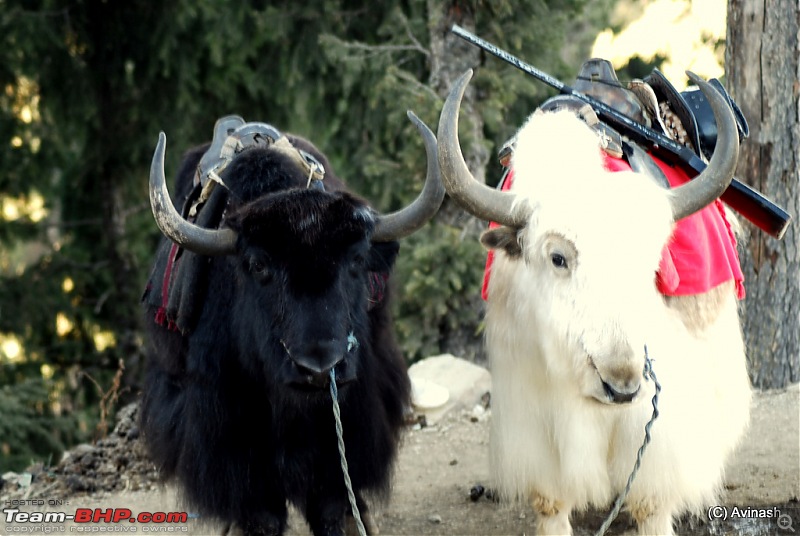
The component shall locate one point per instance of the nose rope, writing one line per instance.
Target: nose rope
(647, 373)
(340, 439)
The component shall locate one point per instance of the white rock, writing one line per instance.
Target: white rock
(464, 383)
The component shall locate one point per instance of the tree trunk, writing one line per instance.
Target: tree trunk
(450, 57)
(763, 67)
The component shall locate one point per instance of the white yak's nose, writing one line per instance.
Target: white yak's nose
(620, 373)
(622, 393)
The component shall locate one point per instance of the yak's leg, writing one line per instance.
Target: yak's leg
(269, 514)
(325, 513)
(262, 512)
(265, 524)
(552, 517)
(351, 527)
(652, 519)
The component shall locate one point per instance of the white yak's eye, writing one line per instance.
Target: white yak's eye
(558, 260)
(560, 252)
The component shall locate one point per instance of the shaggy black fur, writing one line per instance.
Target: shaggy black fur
(226, 411)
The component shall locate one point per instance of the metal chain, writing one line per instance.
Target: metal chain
(340, 438)
(648, 373)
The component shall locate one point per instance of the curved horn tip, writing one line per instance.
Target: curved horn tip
(415, 119)
(699, 81)
(693, 77)
(411, 218)
(450, 110)
(715, 178)
(162, 142)
(461, 82)
(423, 128)
(475, 197)
(171, 223)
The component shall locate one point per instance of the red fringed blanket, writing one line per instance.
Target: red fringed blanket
(700, 255)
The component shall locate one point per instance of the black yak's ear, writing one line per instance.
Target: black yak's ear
(505, 238)
(382, 256)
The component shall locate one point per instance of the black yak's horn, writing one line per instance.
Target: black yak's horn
(411, 218)
(185, 234)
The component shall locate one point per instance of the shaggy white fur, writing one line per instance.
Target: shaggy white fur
(572, 303)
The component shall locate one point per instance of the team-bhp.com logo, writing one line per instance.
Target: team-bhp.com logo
(19, 521)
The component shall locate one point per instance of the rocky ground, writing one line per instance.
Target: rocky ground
(436, 489)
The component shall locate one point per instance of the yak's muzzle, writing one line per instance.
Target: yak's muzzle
(312, 364)
(621, 394)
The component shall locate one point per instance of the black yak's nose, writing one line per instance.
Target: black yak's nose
(314, 361)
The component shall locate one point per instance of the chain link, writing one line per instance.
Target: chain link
(340, 439)
(648, 374)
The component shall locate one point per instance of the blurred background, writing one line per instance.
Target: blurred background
(86, 86)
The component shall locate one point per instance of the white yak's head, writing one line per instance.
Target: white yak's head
(587, 256)
(586, 242)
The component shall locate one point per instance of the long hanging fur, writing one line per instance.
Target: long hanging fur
(217, 414)
(553, 330)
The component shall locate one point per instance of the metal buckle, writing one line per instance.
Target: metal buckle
(316, 172)
(231, 136)
(224, 127)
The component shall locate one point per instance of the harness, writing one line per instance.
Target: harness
(232, 135)
(701, 253)
(178, 283)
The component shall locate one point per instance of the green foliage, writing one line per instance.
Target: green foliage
(28, 428)
(85, 87)
(441, 274)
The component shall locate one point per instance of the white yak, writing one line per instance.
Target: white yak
(573, 303)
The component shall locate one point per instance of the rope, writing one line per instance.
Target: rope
(648, 373)
(340, 438)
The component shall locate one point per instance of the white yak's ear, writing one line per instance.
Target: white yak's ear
(505, 238)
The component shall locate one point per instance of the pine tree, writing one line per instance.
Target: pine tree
(87, 86)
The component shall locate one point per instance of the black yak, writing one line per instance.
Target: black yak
(260, 291)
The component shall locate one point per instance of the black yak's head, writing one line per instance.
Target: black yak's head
(306, 258)
(305, 263)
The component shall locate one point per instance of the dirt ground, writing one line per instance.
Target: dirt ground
(439, 466)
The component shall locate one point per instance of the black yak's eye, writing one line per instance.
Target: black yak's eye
(558, 260)
(357, 265)
(258, 267)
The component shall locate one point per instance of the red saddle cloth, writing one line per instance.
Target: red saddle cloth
(700, 255)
